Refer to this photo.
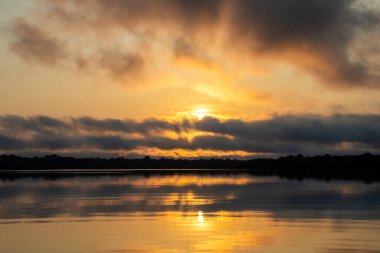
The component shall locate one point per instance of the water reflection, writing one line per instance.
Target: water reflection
(87, 196)
(188, 213)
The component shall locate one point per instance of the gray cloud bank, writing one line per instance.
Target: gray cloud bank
(338, 134)
(316, 36)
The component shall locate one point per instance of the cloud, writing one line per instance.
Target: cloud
(119, 64)
(280, 135)
(300, 129)
(7, 143)
(42, 124)
(127, 13)
(317, 37)
(33, 44)
(297, 134)
(126, 126)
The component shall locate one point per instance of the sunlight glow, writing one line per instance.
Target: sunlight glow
(201, 113)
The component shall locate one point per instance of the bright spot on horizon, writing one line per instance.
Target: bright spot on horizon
(200, 113)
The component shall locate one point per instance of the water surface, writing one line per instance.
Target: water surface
(188, 213)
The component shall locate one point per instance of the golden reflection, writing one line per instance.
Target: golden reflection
(115, 215)
(181, 199)
(225, 232)
(190, 180)
(200, 218)
(169, 232)
(154, 181)
(149, 182)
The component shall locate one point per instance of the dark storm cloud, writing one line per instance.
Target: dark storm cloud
(336, 134)
(33, 44)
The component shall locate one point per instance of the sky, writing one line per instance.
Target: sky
(189, 78)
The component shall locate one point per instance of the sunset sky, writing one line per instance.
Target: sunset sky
(189, 78)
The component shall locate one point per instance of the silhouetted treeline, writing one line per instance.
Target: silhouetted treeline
(363, 167)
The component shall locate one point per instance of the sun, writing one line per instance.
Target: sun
(200, 113)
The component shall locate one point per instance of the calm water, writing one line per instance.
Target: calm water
(188, 213)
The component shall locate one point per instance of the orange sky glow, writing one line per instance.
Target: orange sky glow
(189, 61)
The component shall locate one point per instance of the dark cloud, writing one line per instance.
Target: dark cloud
(189, 13)
(42, 124)
(32, 123)
(313, 129)
(113, 62)
(34, 44)
(119, 64)
(7, 143)
(274, 25)
(318, 33)
(126, 126)
(322, 30)
(336, 134)
(303, 134)
(316, 36)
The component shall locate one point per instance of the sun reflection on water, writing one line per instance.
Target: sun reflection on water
(200, 218)
(187, 213)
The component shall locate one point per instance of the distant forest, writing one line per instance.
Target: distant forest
(362, 167)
